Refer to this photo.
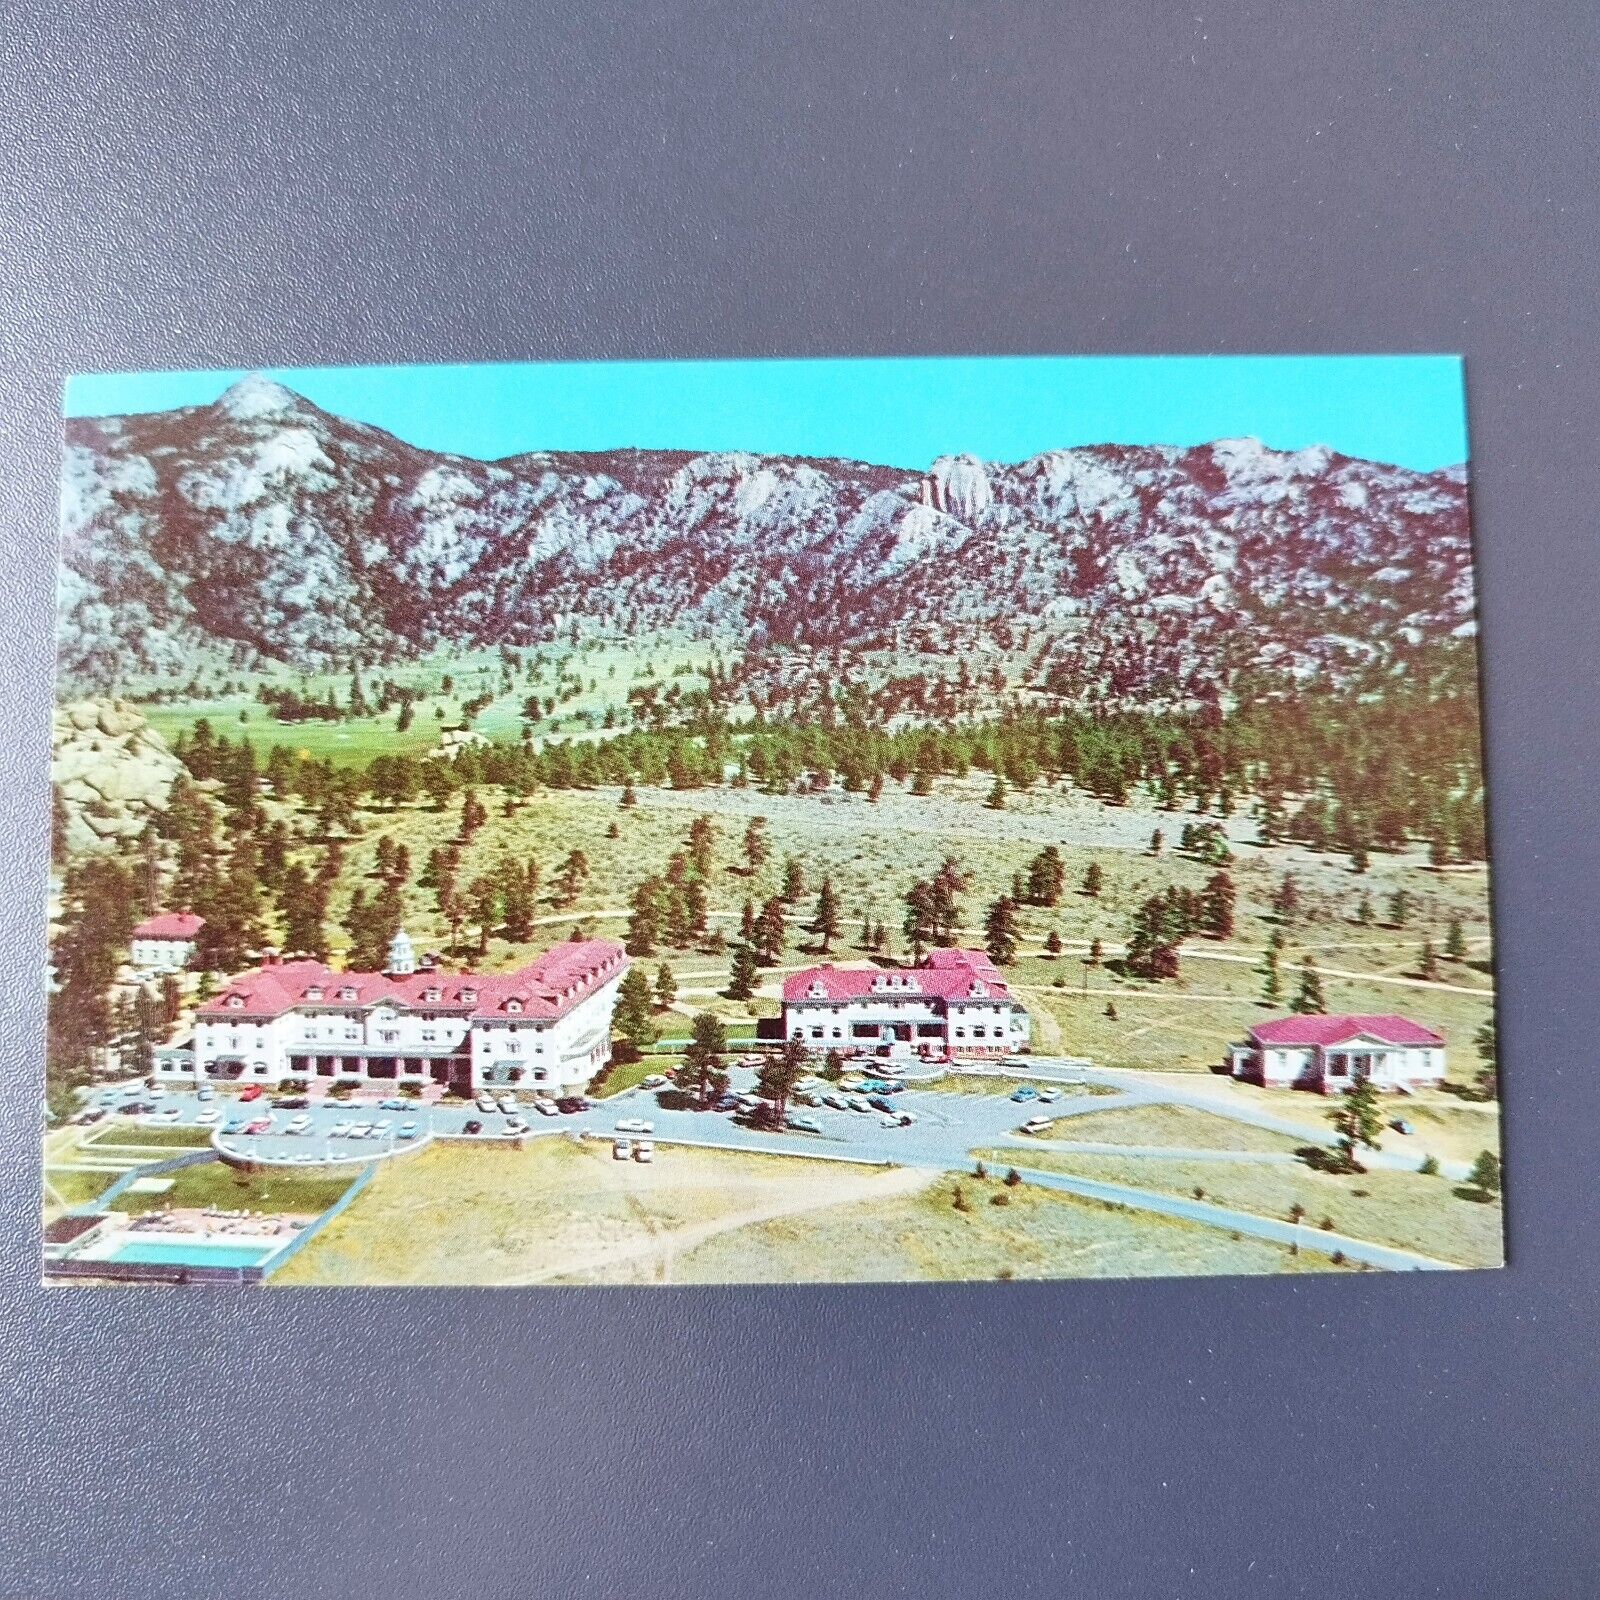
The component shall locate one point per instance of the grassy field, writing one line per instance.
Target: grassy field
(216, 1184)
(160, 1142)
(921, 1237)
(562, 1212)
(1175, 1126)
(1395, 1208)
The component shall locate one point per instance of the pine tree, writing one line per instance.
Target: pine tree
(629, 799)
(483, 906)
(1157, 842)
(1271, 980)
(826, 922)
(1358, 1121)
(701, 843)
(1486, 1042)
(1000, 931)
(666, 987)
(1093, 879)
(1287, 900)
(742, 980)
(702, 1076)
(1484, 1177)
(779, 1074)
(1455, 941)
(997, 795)
(756, 845)
(1216, 906)
(644, 921)
(1399, 909)
(632, 1021)
(1364, 913)
(771, 931)
(1047, 876)
(1428, 962)
(794, 881)
(1052, 942)
(1310, 999)
(1097, 952)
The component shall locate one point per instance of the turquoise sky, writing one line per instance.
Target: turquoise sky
(896, 412)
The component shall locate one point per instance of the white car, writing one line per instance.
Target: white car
(644, 1151)
(408, 1130)
(889, 1120)
(339, 1130)
(654, 1081)
(158, 1091)
(622, 1150)
(210, 1114)
(805, 1124)
(1047, 1095)
(635, 1125)
(485, 1102)
(381, 1128)
(171, 1114)
(358, 1130)
(516, 1125)
(298, 1124)
(1036, 1124)
(858, 1104)
(547, 1108)
(508, 1104)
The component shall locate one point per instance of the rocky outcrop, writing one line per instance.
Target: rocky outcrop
(113, 770)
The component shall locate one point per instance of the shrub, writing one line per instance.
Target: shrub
(1199, 1193)
(1326, 1224)
(980, 1171)
(1006, 1274)
(1013, 1178)
(1337, 1258)
(1429, 1167)
(958, 1199)
(999, 1198)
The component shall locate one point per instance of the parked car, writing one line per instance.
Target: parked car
(205, 1092)
(93, 1114)
(252, 1091)
(209, 1115)
(485, 1102)
(171, 1114)
(568, 1104)
(644, 1150)
(298, 1124)
(879, 1102)
(158, 1091)
(805, 1124)
(858, 1104)
(1026, 1092)
(727, 1102)
(1036, 1124)
(234, 1125)
(1047, 1095)
(291, 1102)
(835, 1101)
(905, 1119)
(508, 1104)
(408, 1130)
(516, 1125)
(379, 1129)
(136, 1108)
(622, 1150)
(546, 1108)
(654, 1081)
(260, 1125)
(395, 1104)
(1400, 1125)
(473, 1126)
(635, 1125)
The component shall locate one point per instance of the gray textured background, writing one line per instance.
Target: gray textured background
(298, 182)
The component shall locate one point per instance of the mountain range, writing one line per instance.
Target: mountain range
(268, 526)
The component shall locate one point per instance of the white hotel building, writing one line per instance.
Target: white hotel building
(546, 1025)
(954, 1004)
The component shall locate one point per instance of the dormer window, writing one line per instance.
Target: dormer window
(314, 992)
(469, 996)
(430, 995)
(236, 1002)
(347, 993)
(818, 992)
(513, 1005)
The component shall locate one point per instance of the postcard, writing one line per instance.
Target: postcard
(768, 821)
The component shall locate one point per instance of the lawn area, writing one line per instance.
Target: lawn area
(214, 1183)
(128, 1133)
(921, 1237)
(1177, 1126)
(978, 1083)
(67, 1189)
(626, 1075)
(1395, 1208)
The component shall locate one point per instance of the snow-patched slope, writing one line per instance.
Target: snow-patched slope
(264, 522)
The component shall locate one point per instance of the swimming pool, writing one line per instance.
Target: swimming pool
(190, 1253)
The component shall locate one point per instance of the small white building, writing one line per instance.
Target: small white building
(166, 943)
(954, 1004)
(1328, 1054)
(546, 1025)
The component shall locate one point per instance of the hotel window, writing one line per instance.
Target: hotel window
(429, 1035)
(389, 1035)
(816, 1033)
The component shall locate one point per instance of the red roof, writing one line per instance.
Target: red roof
(170, 925)
(546, 988)
(1316, 1030)
(944, 975)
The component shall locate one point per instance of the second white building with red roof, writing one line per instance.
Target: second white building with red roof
(955, 1004)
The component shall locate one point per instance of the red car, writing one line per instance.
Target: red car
(260, 1125)
(254, 1092)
